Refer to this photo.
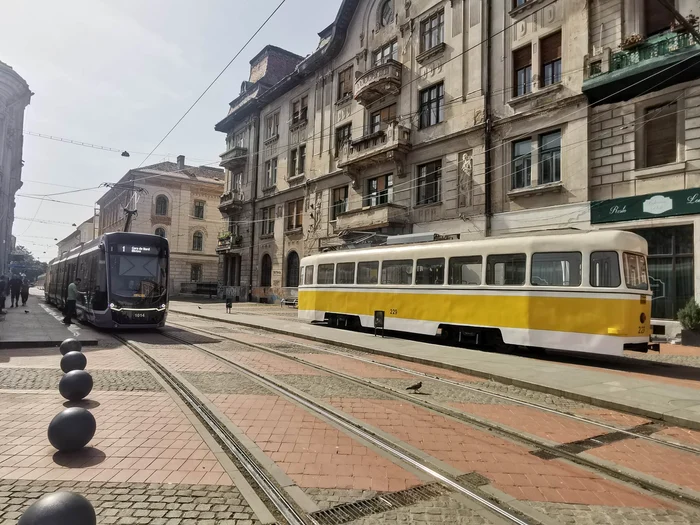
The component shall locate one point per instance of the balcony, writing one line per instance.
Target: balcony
(389, 145)
(374, 217)
(380, 81)
(656, 63)
(228, 242)
(230, 200)
(234, 159)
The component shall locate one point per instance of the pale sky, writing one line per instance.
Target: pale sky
(119, 74)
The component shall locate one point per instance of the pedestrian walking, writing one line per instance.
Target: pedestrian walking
(24, 292)
(3, 292)
(15, 288)
(229, 305)
(71, 299)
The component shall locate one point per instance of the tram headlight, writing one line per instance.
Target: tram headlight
(112, 305)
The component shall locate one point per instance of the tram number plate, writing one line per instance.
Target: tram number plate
(138, 315)
(393, 311)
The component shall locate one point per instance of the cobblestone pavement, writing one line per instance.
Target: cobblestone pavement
(225, 383)
(136, 503)
(331, 387)
(46, 379)
(327, 498)
(106, 357)
(567, 514)
(681, 360)
(443, 510)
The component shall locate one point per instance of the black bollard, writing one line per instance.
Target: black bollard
(70, 345)
(73, 361)
(75, 385)
(59, 508)
(72, 429)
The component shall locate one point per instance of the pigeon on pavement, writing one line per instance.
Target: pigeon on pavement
(415, 387)
(26, 311)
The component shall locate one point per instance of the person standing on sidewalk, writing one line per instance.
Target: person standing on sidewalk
(24, 292)
(73, 293)
(3, 292)
(15, 288)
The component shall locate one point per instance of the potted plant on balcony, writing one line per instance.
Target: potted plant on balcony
(631, 41)
(689, 317)
(224, 236)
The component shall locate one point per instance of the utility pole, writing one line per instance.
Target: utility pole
(669, 5)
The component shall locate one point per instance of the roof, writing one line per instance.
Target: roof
(279, 50)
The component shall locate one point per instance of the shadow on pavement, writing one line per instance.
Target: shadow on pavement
(87, 457)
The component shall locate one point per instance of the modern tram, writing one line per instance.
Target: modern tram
(124, 280)
(584, 292)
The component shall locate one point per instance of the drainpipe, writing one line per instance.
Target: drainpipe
(487, 127)
(254, 197)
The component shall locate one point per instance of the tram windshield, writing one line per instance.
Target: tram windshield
(138, 280)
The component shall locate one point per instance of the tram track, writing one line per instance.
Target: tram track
(540, 445)
(282, 503)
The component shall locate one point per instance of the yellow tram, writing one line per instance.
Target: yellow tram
(581, 292)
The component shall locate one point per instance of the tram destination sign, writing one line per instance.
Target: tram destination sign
(668, 204)
(141, 250)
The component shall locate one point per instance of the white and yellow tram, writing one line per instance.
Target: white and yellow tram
(581, 292)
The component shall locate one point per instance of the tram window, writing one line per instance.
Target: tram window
(506, 270)
(368, 272)
(325, 273)
(309, 275)
(397, 272)
(466, 270)
(556, 269)
(345, 273)
(605, 270)
(635, 271)
(430, 271)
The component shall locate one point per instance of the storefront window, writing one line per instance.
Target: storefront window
(671, 272)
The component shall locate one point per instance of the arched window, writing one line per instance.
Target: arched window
(292, 270)
(386, 13)
(198, 242)
(160, 232)
(266, 271)
(161, 205)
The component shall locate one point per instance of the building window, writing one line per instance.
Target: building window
(550, 157)
(428, 187)
(343, 135)
(339, 202)
(272, 126)
(266, 271)
(550, 57)
(237, 182)
(160, 232)
(521, 176)
(386, 14)
(236, 140)
(198, 242)
(671, 269)
(379, 190)
(660, 141)
(522, 66)
(199, 209)
(297, 160)
(268, 221)
(345, 83)
(270, 173)
(380, 119)
(196, 273)
(233, 227)
(292, 270)
(161, 205)
(295, 214)
(300, 110)
(432, 105)
(657, 18)
(432, 31)
(387, 52)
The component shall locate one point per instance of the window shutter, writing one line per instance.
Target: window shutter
(550, 48)
(522, 57)
(656, 17)
(660, 135)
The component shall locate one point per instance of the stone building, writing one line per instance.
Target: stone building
(14, 98)
(180, 203)
(644, 131)
(83, 233)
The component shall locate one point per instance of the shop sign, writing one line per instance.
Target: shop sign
(668, 204)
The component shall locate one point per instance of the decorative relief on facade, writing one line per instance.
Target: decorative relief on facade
(465, 179)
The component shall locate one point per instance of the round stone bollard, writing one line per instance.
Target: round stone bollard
(70, 345)
(72, 429)
(73, 361)
(60, 508)
(75, 385)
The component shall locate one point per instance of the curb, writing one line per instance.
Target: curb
(6, 345)
(603, 403)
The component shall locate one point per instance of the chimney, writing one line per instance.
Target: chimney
(181, 162)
